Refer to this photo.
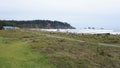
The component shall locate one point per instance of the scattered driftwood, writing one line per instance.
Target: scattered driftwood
(103, 34)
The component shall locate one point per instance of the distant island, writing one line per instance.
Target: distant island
(43, 24)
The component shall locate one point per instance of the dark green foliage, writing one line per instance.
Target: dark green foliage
(1, 27)
(4, 23)
(46, 24)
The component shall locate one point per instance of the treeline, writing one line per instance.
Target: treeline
(5, 23)
(45, 24)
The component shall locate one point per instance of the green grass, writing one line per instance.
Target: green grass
(17, 54)
(88, 37)
(39, 49)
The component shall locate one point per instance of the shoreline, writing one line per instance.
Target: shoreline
(82, 31)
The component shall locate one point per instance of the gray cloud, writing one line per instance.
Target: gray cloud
(80, 13)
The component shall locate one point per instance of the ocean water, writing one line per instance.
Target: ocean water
(85, 31)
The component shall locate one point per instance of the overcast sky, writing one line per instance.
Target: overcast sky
(79, 13)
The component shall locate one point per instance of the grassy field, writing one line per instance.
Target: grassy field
(40, 49)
